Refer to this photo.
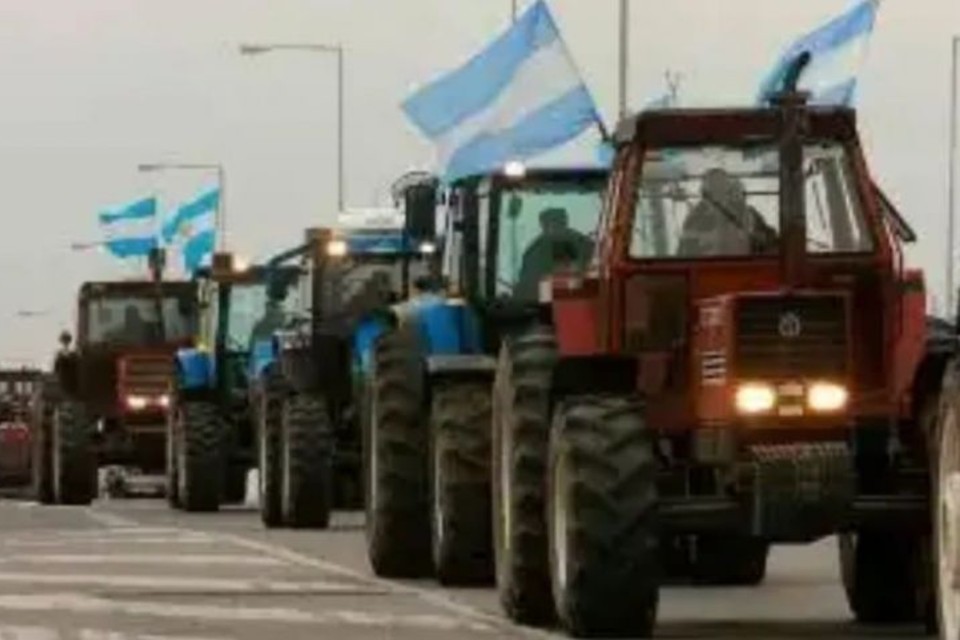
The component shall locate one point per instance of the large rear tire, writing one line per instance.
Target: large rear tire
(74, 461)
(307, 446)
(602, 519)
(946, 513)
(881, 578)
(269, 423)
(460, 486)
(521, 431)
(395, 458)
(200, 462)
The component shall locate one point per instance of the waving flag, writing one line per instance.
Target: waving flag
(836, 53)
(194, 226)
(520, 96)
(131, 230)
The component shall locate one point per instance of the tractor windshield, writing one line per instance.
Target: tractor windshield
(724, 202)
(135, 321)
(543, 226)
(255, 316)
(366, 281)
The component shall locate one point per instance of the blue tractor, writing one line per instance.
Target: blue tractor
(213, 427)
(311, 371)
(428, 448)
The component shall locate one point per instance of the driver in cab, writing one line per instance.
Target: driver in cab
(558, 247)
(723, 223)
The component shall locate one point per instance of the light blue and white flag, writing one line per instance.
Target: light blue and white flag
(193, 227)
(131, 229)
(522, 95)
(836, 53)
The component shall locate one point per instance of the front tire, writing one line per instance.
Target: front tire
(307, 491)
(396, 465)
(269, 424)
(74, 461)
(602, 519)
(460, 486)
(946, 514)
(199, 437)
(880, 576)
(42, 442)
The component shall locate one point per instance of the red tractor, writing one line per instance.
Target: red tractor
(749, 363)
(17, 387)
(108, 401)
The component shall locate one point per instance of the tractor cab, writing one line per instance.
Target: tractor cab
(753, 269)
(509, 231)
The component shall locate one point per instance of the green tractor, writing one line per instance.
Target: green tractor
(212, 433)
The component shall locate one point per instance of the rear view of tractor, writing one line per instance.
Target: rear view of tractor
(313, 369)
(17, 389)
(748, 365)
(212, 439)
(427, 451)
(108, 399)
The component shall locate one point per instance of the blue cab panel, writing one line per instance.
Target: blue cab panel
(196, 368)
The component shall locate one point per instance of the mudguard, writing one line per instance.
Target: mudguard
(196, 369)
(445, 326)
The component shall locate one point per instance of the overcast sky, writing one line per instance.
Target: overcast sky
(92, 88)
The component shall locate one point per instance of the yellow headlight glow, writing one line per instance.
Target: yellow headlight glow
(827, 396)
(754, 398)
(337, 248)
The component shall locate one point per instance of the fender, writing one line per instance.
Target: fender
(445, 326)
(196, 369)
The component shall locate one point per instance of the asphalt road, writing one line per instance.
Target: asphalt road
(134, 570)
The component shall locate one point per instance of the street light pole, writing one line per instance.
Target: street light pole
(951, 217)
(513, 10)
(220, 215)
(337, 49)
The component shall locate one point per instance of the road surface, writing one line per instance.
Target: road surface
(134, 570)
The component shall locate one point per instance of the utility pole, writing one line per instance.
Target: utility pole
(951, 218)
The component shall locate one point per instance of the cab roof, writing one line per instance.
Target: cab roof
(729, 125)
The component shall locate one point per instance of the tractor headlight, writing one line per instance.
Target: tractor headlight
(337, 248)
(427, 248)
(137, 403)
(163, 401)
(827, 396)
(754, 398)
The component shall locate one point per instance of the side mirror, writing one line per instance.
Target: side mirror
(420, 208)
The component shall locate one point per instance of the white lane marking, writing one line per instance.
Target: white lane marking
(103, 634)
(434, 598)
(148, 558)
(111, 519)
(167, 583)
(82, 604)
(74, 542)
(20, 632)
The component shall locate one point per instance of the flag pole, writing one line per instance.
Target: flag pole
(624, 56)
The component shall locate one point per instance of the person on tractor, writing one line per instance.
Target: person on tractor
(556, 248)
(273, 316)
(723, 223)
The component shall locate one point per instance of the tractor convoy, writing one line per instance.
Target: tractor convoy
(575, 384)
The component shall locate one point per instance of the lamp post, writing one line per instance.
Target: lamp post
(337, 50)
(220, 219)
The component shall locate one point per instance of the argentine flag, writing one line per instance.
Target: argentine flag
(520, 96)
(836, 53)
(131, 230)
(193, 227)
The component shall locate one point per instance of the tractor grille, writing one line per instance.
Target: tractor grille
(792, 337)
(146, 375)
